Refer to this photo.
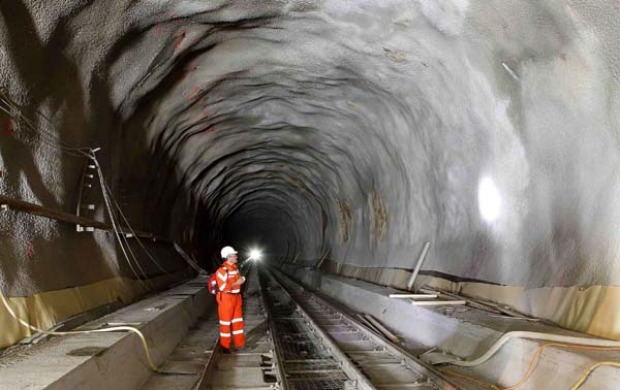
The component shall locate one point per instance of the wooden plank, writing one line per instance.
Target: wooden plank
(415, 296)
(437, 303)
(472, 302)
(429, 291)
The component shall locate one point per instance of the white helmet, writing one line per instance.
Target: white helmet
(227, 251)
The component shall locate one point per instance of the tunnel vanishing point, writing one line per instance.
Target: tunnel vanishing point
(338, 136)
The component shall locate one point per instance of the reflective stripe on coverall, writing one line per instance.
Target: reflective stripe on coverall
(229, 306)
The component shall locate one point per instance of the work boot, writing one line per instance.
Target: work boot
(226, 351)
(242, 349)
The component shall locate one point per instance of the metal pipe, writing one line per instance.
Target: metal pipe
(368, 323)
(188, 259)
(382, 329)
(414, 296)
(533, 336)
(414, 275)
(35, 209)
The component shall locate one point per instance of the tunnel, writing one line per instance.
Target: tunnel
(354, 142)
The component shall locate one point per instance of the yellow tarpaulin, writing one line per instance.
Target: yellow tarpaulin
(47, 309)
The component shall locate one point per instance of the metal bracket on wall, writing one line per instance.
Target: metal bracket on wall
(80, 228)
(87, 194)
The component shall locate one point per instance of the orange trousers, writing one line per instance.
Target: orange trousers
(231, 319)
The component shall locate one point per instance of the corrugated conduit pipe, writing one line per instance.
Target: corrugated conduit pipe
(533, 336)
(149, 360)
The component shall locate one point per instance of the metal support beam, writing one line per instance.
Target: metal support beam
(414, 275)
(57, 215)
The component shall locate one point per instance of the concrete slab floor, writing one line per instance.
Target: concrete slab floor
(92, 361)
(109, 360)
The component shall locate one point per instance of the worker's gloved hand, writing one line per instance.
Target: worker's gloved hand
(239, 281)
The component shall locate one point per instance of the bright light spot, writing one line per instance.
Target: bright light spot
(255, 254)
(489, 200)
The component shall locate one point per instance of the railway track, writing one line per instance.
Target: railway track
(380, 364)
(296, 341)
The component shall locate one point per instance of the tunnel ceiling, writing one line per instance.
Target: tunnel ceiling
(355, 130)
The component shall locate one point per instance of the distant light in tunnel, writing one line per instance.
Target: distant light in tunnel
(255, 254)
(489, 200)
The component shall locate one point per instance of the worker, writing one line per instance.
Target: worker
(229, 282)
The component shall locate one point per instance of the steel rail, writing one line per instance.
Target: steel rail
(207, 375)
(210, 367)
(277, 346)
(416, 365)
(347, 365)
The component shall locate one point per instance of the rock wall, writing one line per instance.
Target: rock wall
(352, 130)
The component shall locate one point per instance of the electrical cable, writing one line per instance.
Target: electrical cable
(13, 109)
(112, 329)
(539, 351)
(136, 331)
(9, 102)
(120, 211)
(117, 232)
(572, 340)
(111, 216)
(81, 152)
(139, 240)
(52, 140)
(78, 152)
(532, 366)
(469, 379)
(188, 259)
(589, 371)
(106, 191)
(45, 141)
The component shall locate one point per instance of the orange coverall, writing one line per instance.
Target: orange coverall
(229, 306)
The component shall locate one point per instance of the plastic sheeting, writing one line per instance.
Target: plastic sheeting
(44, 310)
(588, 309)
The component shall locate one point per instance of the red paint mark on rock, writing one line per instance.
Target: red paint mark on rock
(29, 249)
(205, 114)
(187, 71)
(194, 93)
(8, 128)
(563, 279)
(179, 40)
(160, 30)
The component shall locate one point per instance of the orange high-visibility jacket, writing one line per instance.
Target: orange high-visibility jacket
(228, 274)
(230, 310)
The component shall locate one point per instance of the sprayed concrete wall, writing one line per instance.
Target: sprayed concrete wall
(349, 130)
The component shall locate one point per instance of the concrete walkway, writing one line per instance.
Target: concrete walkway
(468, 332)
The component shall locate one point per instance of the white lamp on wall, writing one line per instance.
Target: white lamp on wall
(489, 200)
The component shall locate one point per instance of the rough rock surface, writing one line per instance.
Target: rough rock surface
(356, 130)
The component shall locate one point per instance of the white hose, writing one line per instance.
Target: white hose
(533, 336)
(112, 329)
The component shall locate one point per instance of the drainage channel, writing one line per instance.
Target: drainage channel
(384, 365)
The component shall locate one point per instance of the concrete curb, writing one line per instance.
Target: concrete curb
(110, 360)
